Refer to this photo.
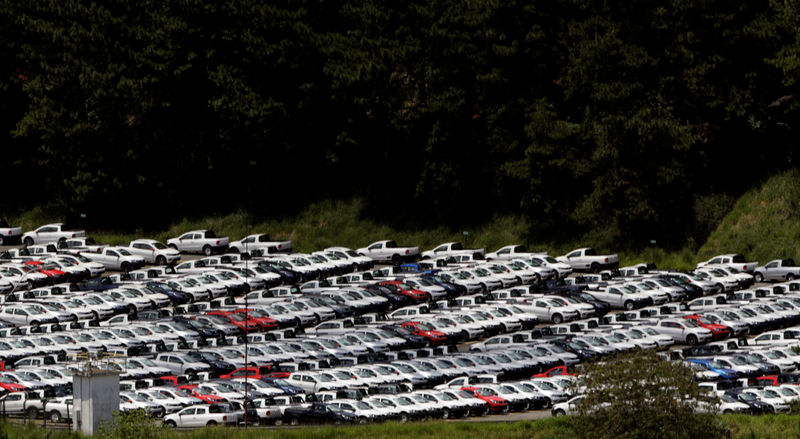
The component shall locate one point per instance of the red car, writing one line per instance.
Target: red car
(775, 380)
(264, 322)
(497, 404)
(239, 320)
(398, 287)
(556, 371)
(50, 271)
(189, 390)
(427, 331)
(718, 331)
(252, 372)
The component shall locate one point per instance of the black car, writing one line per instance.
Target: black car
(317, 413)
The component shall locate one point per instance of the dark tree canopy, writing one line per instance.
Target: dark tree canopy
(583, 115)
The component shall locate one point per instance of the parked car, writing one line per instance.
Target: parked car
(199, 241)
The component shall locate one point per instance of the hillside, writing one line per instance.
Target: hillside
(764, 223)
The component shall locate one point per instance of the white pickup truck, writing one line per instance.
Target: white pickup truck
(513, 252)
(586, 259)
(80, 243)
(736, 261)
(260, 241)
(389, 251)
(199, 241)
(200, 416)
(51, 233)
(451, 249)
(8, 234)
(115, 258)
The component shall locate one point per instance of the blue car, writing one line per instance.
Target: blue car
(712, 366)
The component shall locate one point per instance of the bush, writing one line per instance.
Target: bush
(642, 396)
(134, 424)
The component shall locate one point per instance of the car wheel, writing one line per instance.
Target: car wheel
(403, 418)
(55, 416)
(207, 250)
(759, 277)
(33, 412)
(396, 260)
(1, 239)
(294, 421)
(506, 409)
(74, 317)
(362, 420)
(278, 421)
(161, 260)
(446, 414)
(559, 413)
(28, 241)
(595, 267)
(629, 305)
(131, 309)
(548, 402)
(669, 297)
(557, 319)
(171, 424)
(234, 250)
(428, 343)
(691, 340)
(34, 323)
(466, 413)
(503, 328)
(211, 423)
(790, 276)
(126, 267)
(95, 315)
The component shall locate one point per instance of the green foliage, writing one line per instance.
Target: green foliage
(763, 224)
(617, 123)
(133, 424)
(642, 396)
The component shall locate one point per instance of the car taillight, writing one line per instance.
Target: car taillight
(217, 242)
(406, 251)
(606, 259)
(224, 418)
(744, 268)
(73, 235)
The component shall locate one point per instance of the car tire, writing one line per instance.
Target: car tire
(1, 239)
(125, 267)
(403, 418)
(211, 423)
(34, 323)
(557, 319)
(28, 241)
(161, 260)
(595, 267)
(396, 260)
(32, 412)
(131, 309)
(629, 305)
(503, 328)
(445, 414)
(466, 414)
(691, 340)
(789, 277)
(361, 420)
(207, 250)
(278, 422)
(234, 250)
(74, 317)
(95, 315)
(559, 413)
(54, 416)
(171, 424)
(548, 402)
(294, 421)
(758, 277)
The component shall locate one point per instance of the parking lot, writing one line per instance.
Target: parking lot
(374, 334)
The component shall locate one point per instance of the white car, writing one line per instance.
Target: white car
(201, 416)
(199, 241)
(260, 241)
(388, 250)
(683, 331)
(8, 234)
(154, 252)
(51, 233)
(736, 261)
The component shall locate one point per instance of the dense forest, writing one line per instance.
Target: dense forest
(633, 119)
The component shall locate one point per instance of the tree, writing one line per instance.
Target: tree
(642, 396)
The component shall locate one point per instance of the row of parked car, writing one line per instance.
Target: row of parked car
(332, 337)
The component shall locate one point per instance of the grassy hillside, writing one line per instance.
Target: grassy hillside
(740, 426)
(764, 224)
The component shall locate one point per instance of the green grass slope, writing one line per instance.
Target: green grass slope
(764, 224)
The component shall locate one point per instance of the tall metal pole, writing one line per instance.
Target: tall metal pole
(247, 317)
